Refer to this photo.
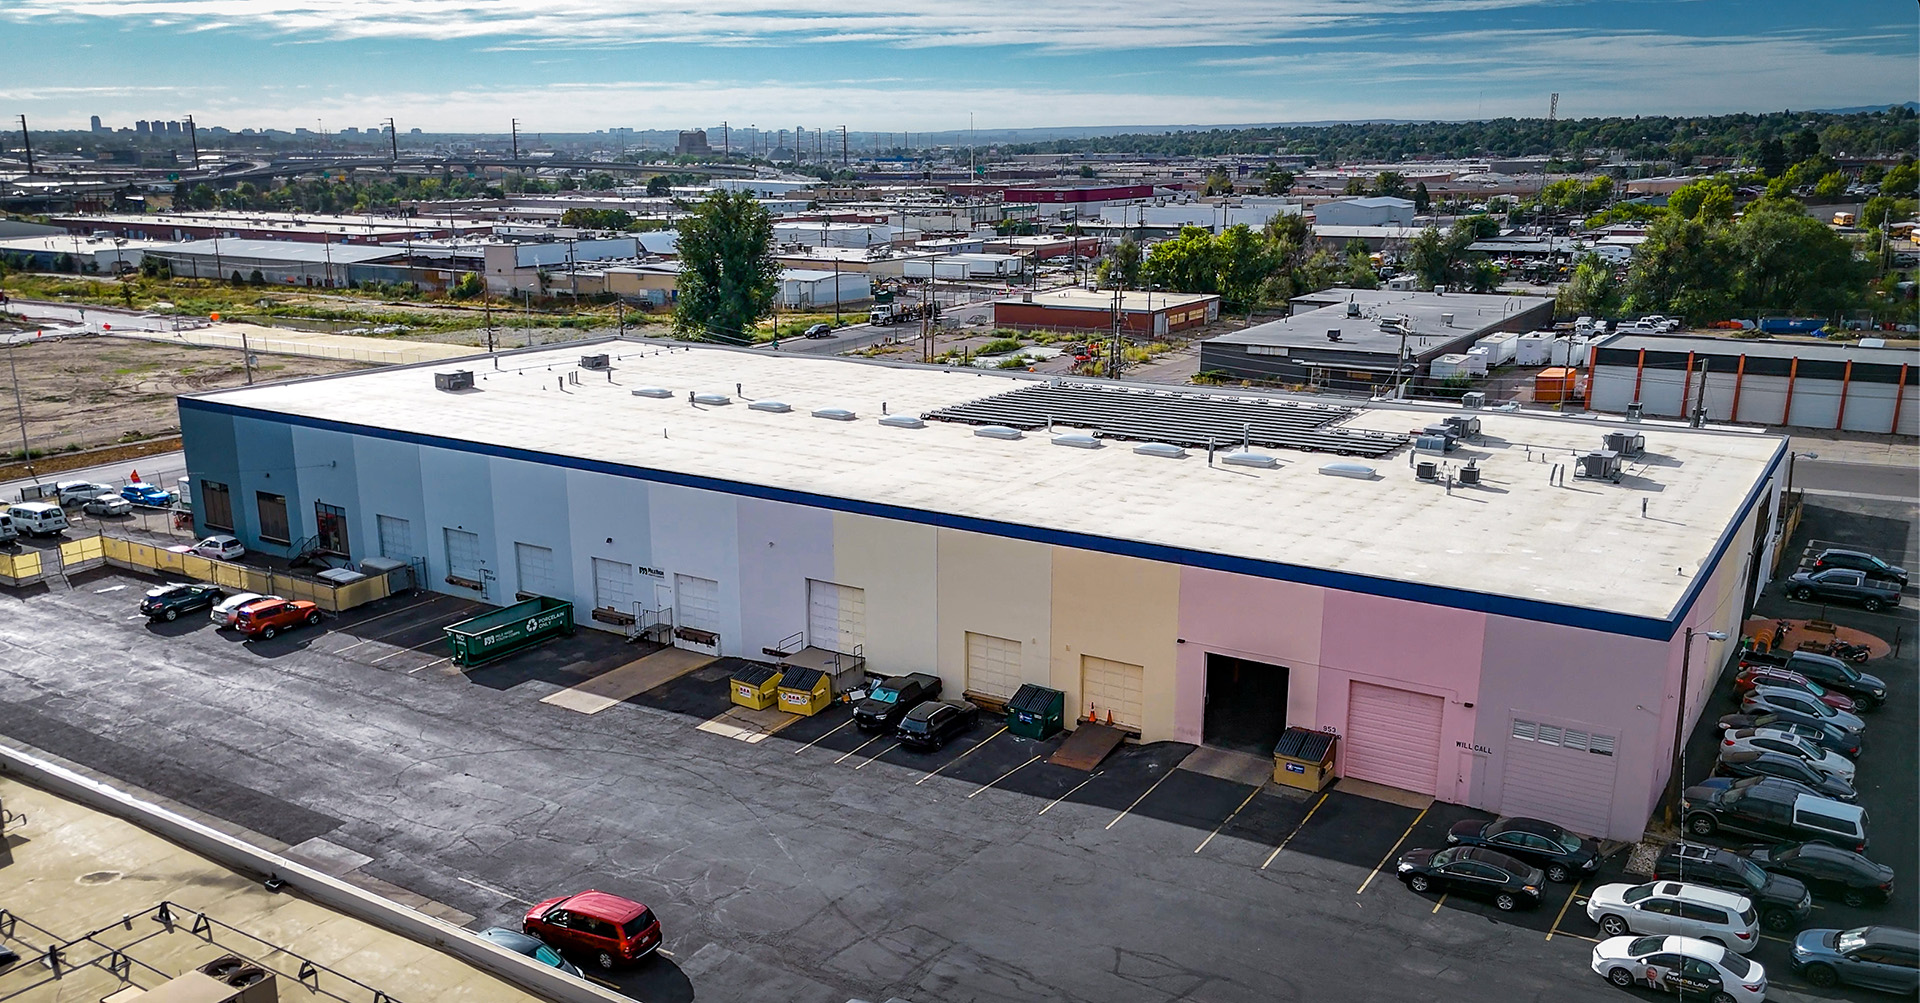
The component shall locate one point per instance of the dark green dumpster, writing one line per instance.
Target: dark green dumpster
(508, 629)
(1035, 711)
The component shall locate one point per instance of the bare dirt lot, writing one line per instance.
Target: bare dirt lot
(86, 392)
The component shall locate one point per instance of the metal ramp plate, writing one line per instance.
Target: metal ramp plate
(1087, 746)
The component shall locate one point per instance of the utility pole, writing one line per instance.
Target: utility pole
(486, 305)
(843, 147)
(971, 169)
(26, 141)
(393, 142)
(726, 142)
(26, 455)
(193, 141)
(515, 126)
(246, 354)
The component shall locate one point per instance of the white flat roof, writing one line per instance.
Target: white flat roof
(1583, 544)
(1131, 300)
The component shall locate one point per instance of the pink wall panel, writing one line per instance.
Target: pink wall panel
(1246, 617)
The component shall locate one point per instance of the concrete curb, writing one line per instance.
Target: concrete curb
(525, 973)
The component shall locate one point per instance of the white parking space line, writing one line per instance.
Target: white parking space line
(429, 665)
(816, 741)
(1224, 821)
(877, 755)
(1005, 775)
(862, 745)
(1142, 797)
(955, 759)
(416, 648)
(509, 896)
(1069, 794)
(361, 623)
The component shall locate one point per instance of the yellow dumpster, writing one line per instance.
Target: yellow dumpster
(805, 691)
(754, 685)
(1304, 759)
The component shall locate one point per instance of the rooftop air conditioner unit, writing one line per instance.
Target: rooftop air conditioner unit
(1599, 465)
(1634, 409)
(459, 379)
(1473, 399)
(1470, 475)
(1627, 444)
(1427, 470)
(596, 362)
(1464, 426)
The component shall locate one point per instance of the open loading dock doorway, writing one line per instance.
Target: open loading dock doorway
(1246, 704)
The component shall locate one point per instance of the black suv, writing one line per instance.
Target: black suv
(1829, 870)
(890, 699)
(1773, 809)
(933, 724)
(169, 601)
(1783, 902)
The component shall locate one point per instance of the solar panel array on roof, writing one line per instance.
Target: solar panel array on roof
(1186, 419)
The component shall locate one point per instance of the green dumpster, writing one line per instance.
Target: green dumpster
(1035, 711)
(508, 629)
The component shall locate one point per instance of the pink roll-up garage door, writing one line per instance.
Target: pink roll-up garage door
(1393, 737)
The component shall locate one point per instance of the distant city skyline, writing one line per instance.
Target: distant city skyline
(894, 65)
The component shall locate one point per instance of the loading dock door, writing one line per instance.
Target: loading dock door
(1563, 775)
(993, 665)
(836, 616)
(696, 603)
(1246, 706)
(1393, 737)
(1112, 687)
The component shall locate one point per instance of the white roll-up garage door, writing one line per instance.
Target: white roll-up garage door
(836, 616)
(696, 603)
(1564, 775)
(993, 665)
(1393, 737)
(1112, 687)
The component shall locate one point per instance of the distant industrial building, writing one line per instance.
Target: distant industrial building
(1352, 340)
(279, 262)
(693, 143)
(1374, 211)
(1143, 313)
(804, 288)
(1858, 387)
(309, 227)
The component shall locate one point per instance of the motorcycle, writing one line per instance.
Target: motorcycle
(1849, 652)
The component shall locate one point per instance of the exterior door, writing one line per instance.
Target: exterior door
(533, 568)
(396, 538)
(1564, 775)
(696, 603)
(836, 616)
(612, 585)
(993, 665)
(1112, 687)
(1393, 737)
(463, 555)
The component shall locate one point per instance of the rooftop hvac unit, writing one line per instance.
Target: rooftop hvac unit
(459, 379)
(1473, 399)
(1634, 409)
(226, 979)
(1432, 443)
(1599, 465)
(1447, 432)
(1627, 444)
(1446, 320)
(1333, 334)
(596, 362)
(1470, 475)
(1427, 470)
(1464, 426)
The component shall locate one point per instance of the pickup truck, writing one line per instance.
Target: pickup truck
(1844, 585)
(890, 699)
(1867, 691)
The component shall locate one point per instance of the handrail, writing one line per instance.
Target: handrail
(787, 645)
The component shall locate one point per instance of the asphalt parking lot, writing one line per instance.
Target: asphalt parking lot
(822, 863)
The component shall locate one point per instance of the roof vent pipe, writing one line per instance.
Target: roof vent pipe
(1209, 450)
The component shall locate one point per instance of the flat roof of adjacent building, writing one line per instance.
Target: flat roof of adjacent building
(1472, 314)
(1822, 350)
(288, 250)
(1580, 552)
(1131, 301)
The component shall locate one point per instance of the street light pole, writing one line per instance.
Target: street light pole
(26, 454)
(1680, 724)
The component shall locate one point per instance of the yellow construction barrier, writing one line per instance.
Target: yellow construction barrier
(81, 551)
(232, 577)
(23, 565)
(116, 549)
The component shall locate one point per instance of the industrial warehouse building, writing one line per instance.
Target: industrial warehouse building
(1513, 643)
(1852, 386)
(1143, 313)
(1353, 339)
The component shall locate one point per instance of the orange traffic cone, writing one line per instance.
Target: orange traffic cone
(1091, 716)
(136, 477)
(1109, 719)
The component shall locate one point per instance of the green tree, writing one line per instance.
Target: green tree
(1245, 260)
(1390, 183)
(1421, 200)
(1218, 183)
(1279, 182)
(1591, 292)
(1881, 210)
(1186, 264)
(1772, 159)
(728, 275)
(659, 185)
(1831, 185)
(469, 285)
(596, 219)
(1355, 186)
(1359, 273)
(1087, 171)
(1788, 261)
(1901, 181)
(1806, 144)
(600, 181)
(1684, 267)
(1120, 266)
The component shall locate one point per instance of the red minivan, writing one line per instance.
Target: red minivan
(610, 929)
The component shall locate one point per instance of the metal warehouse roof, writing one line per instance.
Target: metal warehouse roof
(1824, 351)
(1519, 537)
(287, 250)
(1472, 314)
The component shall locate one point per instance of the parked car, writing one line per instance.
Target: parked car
(1783, 902)
(107, 504)
(1724, 783)
(933, 723)
(169, 601)
(1473, 871)
(532, 947)
(1788, 743)
(1859, 560)
(219, 547)
(1773, 675)
(1559, 852)
(611, 930)
(1879, 957)
(147, 494)
(1683, 965)
(8, 533)
(820, 331)
(1760, 763)
(1779, 698)
(265, 618)
(226, 612)
(1709, 914)
(1827, 871)
(1815, 730)
(75, 492)
(1841, 585)
(38, 519)
(1771, 809)
(890, 699)
(1867, 691)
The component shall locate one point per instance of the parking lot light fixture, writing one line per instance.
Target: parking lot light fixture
(1680, 723)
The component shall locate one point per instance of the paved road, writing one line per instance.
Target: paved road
(161, 468)
(92, 317)
(1879, 479)
(844, 339)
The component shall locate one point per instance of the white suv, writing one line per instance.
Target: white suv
(1674, 907)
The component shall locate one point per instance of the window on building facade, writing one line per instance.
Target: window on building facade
(217, 503)
(330, 522)
(273, 517)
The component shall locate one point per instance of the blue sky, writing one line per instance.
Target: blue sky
(919, 65)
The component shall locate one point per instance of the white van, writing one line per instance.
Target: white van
(38, 518)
